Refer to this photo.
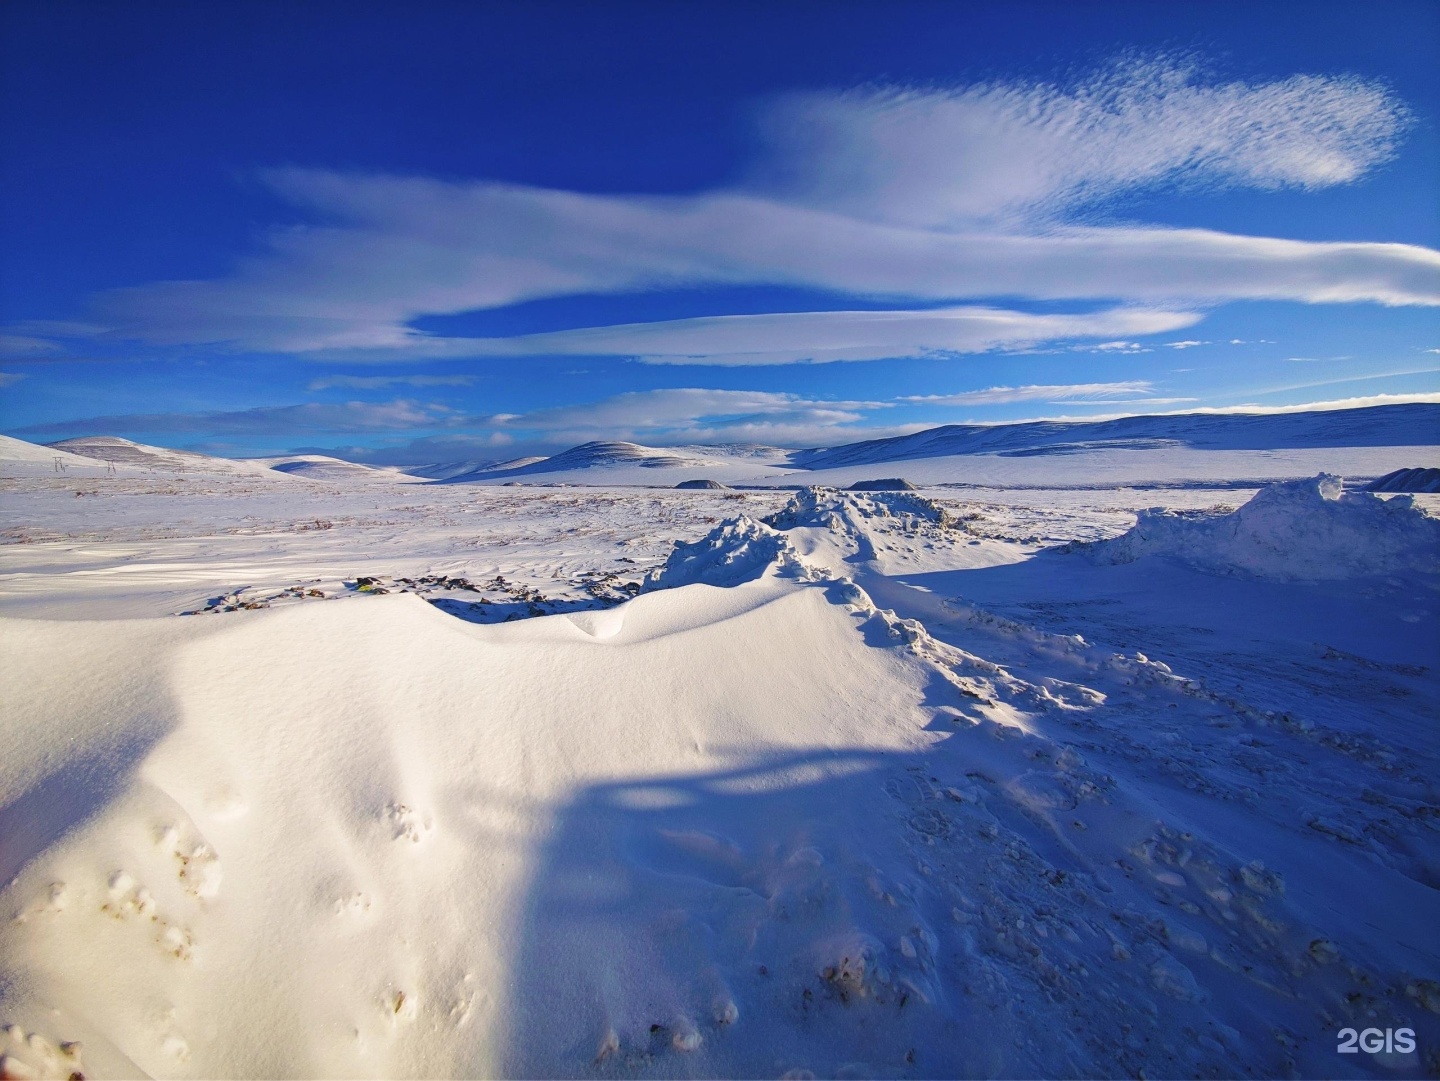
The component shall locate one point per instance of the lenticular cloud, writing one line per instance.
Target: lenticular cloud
(916, 196)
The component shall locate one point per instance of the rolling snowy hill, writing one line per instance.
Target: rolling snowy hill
(1377, 426)
(111, 448)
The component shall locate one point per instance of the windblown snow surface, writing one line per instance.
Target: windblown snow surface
(848, 784)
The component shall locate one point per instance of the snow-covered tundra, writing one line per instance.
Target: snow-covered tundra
(309, 771)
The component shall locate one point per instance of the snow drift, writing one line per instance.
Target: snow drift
(378, 835)
(1305, 529)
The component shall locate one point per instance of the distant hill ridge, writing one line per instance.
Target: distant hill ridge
(1374, 426)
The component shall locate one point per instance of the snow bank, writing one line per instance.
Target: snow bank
(735, 551)
(1304, 529)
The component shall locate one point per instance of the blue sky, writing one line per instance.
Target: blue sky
(448, 230)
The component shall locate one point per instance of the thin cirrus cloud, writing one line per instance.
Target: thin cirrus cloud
(1039, 393)
(663, 410)
(377, 382)
(669, 409)
(928, 197)
(26, 346)
(912, 156)
(264, 420)
(816, 337)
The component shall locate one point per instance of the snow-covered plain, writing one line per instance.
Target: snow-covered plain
(462, 779)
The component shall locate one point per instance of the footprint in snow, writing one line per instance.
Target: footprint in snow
(407, 824)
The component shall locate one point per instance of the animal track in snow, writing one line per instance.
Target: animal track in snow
(55, 900)
(199, 865)
(126, 899)
(407, 824)
(356, 905)
(402, 1006)
(25, 1055)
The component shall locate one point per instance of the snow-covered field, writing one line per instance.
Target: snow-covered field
(317, 770)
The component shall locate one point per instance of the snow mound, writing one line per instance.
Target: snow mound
(1303, 529)
(735, 551)
(828, 508)
(1407, 480)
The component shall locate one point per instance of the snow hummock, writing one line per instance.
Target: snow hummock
(736, 551)
(817, 506)
(1304, 529)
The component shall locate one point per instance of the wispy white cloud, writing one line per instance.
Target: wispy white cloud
(1053, 393)
(920, 196)
(372, 382)
(409, 248)
(1340, 380)
(18, 346)
(1115, 347)
(1187, 344)
(9, 379)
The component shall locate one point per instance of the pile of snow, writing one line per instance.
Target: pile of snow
(735, 551)
(828, 508)
(1407, 480)
(1304, 529)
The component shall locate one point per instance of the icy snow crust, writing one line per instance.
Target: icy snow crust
(1302, 529)
(877, 786)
